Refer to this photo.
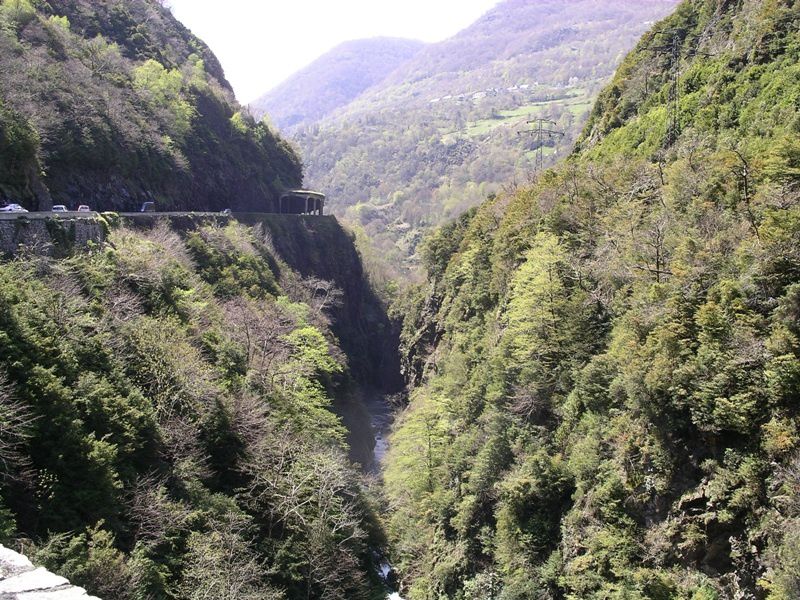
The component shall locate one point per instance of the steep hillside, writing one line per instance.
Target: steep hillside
(112, 103)
(169, 414)
(334, 80)
(606, 364)
(440, 134)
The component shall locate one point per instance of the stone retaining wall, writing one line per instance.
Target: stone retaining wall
(54, 236)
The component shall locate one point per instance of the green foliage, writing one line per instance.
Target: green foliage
(607, 361)
(90, 560)
(19, 12)
(19, 145)
(229, 260)
(441, 132)
(112, 104)
(784, 581)
(163, 88)
(167, 428)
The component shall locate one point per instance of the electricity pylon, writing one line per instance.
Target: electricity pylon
(672, 49)
(541, 133)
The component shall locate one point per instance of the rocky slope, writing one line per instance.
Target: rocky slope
(113, 103)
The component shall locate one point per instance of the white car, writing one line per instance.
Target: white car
(84, 208)
(13, 208)
(59, 208)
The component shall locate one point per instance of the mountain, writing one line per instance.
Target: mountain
(441, 133)
(334, 80)
(113, 103)
(605, 363)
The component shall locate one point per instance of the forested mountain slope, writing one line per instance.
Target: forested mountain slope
(334, 80)
(440, 134)
(114, 102)
(168, 414)
(606, 364)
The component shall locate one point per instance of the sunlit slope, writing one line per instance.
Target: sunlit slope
(115, 103)
(334, 80)
(606, 362)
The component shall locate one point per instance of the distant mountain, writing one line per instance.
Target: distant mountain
(114, 103)
(521, 41)
(441, 132)
(334, 80)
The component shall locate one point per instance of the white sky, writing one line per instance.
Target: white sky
(262, 42)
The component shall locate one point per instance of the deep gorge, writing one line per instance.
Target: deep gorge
(592, 378)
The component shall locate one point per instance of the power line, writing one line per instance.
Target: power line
(541, 133)
(672, 48)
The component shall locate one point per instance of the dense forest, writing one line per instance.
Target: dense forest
(606, 363)
(114, 103)
(446, 129)
(169, 417)
(180, 405)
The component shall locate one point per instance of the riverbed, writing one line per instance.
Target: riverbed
(381, 412)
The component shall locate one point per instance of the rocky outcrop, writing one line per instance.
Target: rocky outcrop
(20, 580)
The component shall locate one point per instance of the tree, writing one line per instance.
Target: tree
(221, 565)
(15, 424)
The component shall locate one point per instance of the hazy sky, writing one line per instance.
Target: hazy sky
(262, 42)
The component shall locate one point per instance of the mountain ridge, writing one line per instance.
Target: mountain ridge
(435, 138)
(115, 103)
(334, 80)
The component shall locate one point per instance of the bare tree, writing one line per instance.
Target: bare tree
(744, 174)
(122, 304)
(152, 511)
(310, 492)
(16, 421)
(183, 448)
(321, 295)
(221, 565)
(260, 328)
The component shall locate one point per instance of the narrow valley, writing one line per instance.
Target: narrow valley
(535, 335)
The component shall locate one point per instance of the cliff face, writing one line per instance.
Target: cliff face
(113, 103)
(321, 248)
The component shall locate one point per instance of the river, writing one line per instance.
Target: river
(381, 414)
